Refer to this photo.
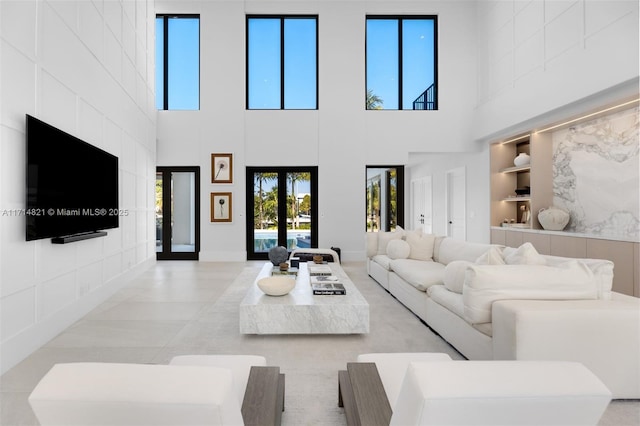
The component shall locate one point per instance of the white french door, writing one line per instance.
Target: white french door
(456, 195)
(421, 204)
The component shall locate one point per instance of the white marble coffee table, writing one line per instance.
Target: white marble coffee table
(300, 312)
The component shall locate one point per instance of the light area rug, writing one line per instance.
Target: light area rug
(311, 362)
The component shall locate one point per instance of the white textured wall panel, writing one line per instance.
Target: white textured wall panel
(18, 312)
(588, 47)
(62, 62)
(55, 294)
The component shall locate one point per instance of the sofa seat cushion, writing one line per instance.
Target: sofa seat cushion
(91, 393)
(419, 273)
(393, 366)
(239, 365)
(383, 260)
(485, 284)
(500, 393)
(449, 299)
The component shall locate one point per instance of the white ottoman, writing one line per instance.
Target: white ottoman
(393, 366)
(500, 393)
(240, 366)
(135, 394)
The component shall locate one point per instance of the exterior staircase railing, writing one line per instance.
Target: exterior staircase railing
(427, 100)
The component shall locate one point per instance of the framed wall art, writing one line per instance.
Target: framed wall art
(221, 168)
(221, 207)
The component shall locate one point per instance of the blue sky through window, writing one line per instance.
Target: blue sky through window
(266, 74)
(264, 63)
(183, 56)
(384, 56)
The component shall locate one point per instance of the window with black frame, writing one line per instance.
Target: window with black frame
(282, 62)
(401, 63)
(178, 62)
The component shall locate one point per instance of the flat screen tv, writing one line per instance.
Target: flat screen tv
(72, 186)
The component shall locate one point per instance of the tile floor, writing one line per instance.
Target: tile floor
(187, 307)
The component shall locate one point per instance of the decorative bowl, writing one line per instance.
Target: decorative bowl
(277, 285)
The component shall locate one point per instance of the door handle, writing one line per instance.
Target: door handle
(450, 223)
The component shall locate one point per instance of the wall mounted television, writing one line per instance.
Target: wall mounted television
(72, 186)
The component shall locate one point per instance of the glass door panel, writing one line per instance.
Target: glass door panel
(281, 207)
(183, 230)
(298, 210)
(265, 214)
(177, 213)
(384, 198)
(159, 247)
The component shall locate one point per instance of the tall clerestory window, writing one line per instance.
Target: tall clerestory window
(178, 62)
(282, 62)
(402, 62)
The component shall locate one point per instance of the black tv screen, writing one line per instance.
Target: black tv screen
(72, 186)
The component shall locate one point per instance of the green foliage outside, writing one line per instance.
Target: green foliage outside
(265, 203)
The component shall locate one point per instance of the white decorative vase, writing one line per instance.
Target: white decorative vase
(553, 218)
(277, 285)
(522, 159)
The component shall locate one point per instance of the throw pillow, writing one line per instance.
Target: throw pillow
(398, 249)
(385, 237)
(526, 254)
(421, 246)
(485, 284)
(454, 273)
(493, 256)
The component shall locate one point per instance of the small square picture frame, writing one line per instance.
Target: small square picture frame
(221, 168)
(221, 207)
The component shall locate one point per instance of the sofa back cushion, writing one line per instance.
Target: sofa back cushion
(385, 237)
(451, 249)
(493, 256)
(421, 246)
(527, 254)
(485, 284)
(454, 274)
(371, 244)
(602, 272)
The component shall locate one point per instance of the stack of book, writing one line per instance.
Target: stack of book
(318, 269)
(326, 284)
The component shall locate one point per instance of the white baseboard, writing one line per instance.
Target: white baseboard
(222, 256)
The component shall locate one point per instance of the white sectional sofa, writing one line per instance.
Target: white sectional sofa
(496, 303)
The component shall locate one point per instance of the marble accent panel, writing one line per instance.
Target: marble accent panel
(300, 312)
(596, 175)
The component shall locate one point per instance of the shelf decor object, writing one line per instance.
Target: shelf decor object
(221, 203)
(522, 159)
(553, 218)
(221, 168)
